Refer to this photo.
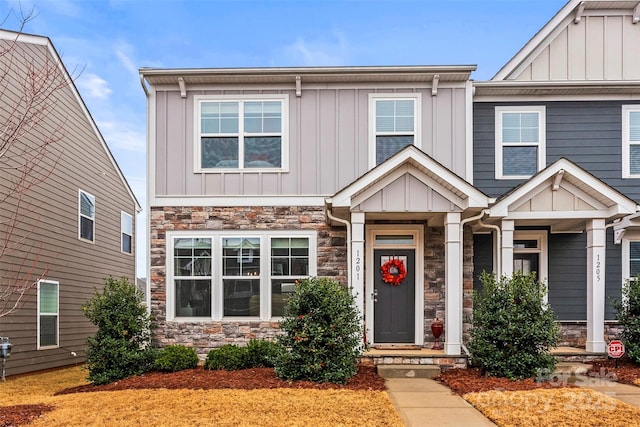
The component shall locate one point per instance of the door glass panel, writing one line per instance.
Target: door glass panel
(394, 239)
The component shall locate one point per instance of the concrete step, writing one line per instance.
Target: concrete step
(408, 371)
(572, 368)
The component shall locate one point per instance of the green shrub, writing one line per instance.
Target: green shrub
(175, 358)
(262, 353)
(628, 316)
(228, 357)
(513, 329)
(322, 337)
(122, 344)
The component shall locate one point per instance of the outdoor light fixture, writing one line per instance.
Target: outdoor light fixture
(5, 351)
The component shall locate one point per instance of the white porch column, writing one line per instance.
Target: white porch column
(596, 246)
(357, 259)
(453, 284)
(508, 227)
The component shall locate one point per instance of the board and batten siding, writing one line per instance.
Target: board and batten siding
(597, 48)
(45, 239)
(328, 141)
(589, 133)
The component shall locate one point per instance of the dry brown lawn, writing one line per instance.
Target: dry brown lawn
(161, 407)
(564, 407)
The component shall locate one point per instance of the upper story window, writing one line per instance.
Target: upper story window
(631, 141)
(87, 217)
(126, 232)
(394, 124)
(241, 133)
(520, 141)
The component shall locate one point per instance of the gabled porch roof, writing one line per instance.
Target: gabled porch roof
(416, 181)
(562, 195)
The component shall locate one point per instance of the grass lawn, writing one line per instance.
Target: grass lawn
(264, 407)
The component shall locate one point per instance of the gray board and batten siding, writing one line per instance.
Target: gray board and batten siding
(46, 235)
(328, 141)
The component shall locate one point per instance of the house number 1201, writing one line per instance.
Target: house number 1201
(358, 264)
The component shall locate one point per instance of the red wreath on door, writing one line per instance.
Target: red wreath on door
(393, 271)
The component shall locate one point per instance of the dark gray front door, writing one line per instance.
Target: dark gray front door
(394, 310)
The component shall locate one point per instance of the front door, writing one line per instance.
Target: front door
(394, 304)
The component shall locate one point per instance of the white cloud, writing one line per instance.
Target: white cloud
(123, 136)
(314, 53)
(123, 51)
(93, 86)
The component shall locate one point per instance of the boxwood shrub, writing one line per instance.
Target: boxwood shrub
(175, 358)
(229, 357)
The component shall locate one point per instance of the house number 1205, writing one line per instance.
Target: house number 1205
(598, 267)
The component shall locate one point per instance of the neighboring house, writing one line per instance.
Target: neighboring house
(261, 176)
(74, 227)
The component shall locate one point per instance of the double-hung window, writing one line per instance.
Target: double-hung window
(247, 133)
(520, 141)
(394, 122)
(48, 314)
(192, 276)
(631, 141)
(126, 232)
(87, 217)
(222, 274)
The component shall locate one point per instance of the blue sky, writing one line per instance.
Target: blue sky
(110, 40)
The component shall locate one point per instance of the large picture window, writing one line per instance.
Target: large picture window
(520, 141)
(48, 314)
(219, 274)
(631, 141)
(394, 124)
(241, 133)
(87, 216)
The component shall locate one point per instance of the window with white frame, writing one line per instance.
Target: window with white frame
(394, 124)
(631, 141)
(87, 217)
(241, 133)
(228, 275)
(126, 232)
(192, 273)
(48, 313)
(520, 141)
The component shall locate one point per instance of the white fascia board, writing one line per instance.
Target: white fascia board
(240, 201)
(537, 40)
(551, 215)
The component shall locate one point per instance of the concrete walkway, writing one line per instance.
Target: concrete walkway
(425, 402)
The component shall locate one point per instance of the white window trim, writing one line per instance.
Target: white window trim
(542, 125)
(542, 249)
(80, 215)
(197, 148)
(47, 347)
(216, 269)
(417, 119)
(629, 236)
(124, 215)
(626, 143)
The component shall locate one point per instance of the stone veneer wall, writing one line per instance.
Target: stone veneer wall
(204, 335)
(574, 334)
(332, 262)
(434, 282)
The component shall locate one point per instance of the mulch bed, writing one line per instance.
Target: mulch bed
(626, 371)
(18, 415)
(470, 380)
(245, 379)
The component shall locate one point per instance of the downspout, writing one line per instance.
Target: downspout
(462, 224)
(147, 295)
(348, 225)
(498, 244)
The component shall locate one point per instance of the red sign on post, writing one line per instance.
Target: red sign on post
(615, 349)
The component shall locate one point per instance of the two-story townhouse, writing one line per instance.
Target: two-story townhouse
(67, 214)
(556, 136)
(259, 177)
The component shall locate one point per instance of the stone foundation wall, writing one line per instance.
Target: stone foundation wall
(574, 334)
